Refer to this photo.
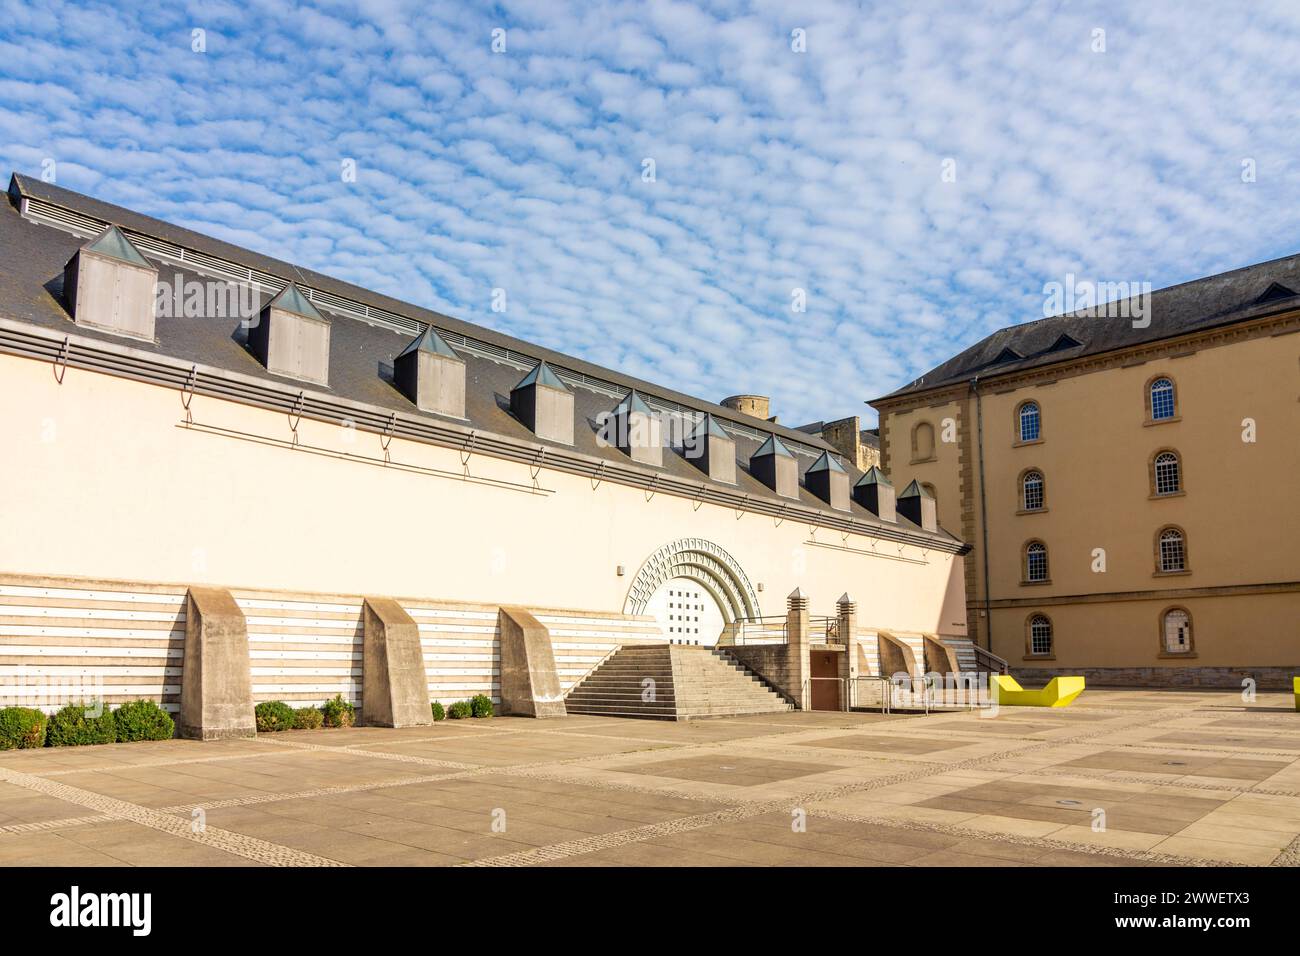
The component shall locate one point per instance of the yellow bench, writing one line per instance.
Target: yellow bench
(1060, 692)
(1295, 686)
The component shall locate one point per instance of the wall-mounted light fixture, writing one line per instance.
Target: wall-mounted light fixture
(621, 570)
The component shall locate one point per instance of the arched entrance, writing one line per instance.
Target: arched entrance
(694, 588)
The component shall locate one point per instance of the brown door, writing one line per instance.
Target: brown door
(825, 693)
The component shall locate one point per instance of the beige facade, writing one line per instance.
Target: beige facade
(1081, 558)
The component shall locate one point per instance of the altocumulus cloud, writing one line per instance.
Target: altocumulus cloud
(775, 169)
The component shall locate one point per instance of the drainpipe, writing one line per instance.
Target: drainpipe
(984, 511)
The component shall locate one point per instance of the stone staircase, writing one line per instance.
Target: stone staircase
(965, 651)
(672, 682)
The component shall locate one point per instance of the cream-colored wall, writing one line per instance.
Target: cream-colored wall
(100, 480)
(1239, 512)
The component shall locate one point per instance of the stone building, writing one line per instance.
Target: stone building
(1125, 482)
(227, 478)
(848, 437)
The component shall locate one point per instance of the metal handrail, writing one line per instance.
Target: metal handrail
(886, 691)
(807, 691)
(990, 661)
(822, 628)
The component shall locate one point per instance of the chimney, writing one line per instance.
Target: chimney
(755, 405)
(292, 338)
(544, 404)
(109, 286)
(431, 375)
(875, 493)
(828, 480)
(637, 430)
(775, 467)
(713, 451)
(916, 505)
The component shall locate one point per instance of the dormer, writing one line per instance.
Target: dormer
(110, 286)
(544, 404)
(636, 430)
(917, 506)
(875, 492)
(292, 338)
(431, 375)
(828, 480)
(712, 451)
(774, 466)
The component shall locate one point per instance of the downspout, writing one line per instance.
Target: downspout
(984, 511)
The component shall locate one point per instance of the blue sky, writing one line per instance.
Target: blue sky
(774, 169)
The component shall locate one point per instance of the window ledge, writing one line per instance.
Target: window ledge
(1044, 657)
(1171, 574)
(1161, 421)
(1172, 494)
(1033, 511)
(1034, 584)
(1175, 655)
(922, 461)
(1031, 441)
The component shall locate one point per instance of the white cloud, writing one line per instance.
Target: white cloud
(773, 169)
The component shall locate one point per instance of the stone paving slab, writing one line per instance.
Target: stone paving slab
(1187, 778)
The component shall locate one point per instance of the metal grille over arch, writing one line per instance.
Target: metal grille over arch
(700, 560)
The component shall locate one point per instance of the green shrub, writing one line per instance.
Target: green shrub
(460, 710)
(272, 716)
(339, 713)
(481, 705)
(439, 712)
(307, 718)
(75, 726)
(21, 727)
(143, 720)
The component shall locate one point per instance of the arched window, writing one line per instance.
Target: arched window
(922, 442)
(1030, 421)
(1031, 491)
(1036, 561)
(1168, 473)
(1040, 635)
(1163, 403)
(1172, 549)
(1176, 627)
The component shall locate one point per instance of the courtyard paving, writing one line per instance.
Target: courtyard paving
(1123, 777)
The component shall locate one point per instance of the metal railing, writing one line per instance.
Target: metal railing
(770, 629)
(988, 661)
(840, 696)
(775, 629)
(864, 691)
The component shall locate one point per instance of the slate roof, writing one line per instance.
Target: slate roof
(33, 256)
(1200, 304)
